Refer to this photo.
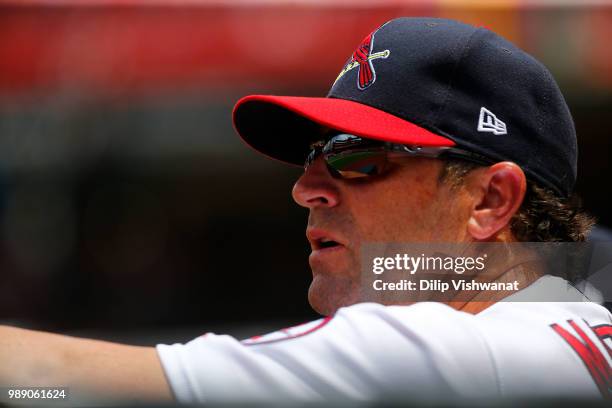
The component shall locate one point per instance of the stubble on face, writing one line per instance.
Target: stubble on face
(406, 205)
(335, 280)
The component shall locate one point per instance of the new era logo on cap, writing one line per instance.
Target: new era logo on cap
(488, 122)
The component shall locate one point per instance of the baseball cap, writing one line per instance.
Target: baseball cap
(430, 82)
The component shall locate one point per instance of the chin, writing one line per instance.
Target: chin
(328, 294)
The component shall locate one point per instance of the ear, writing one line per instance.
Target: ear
(497, 195)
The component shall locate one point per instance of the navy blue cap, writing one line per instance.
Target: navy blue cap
(431, 82)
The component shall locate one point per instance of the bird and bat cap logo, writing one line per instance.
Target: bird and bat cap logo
(363, 59)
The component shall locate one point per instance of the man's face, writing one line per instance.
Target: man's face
(406, 204)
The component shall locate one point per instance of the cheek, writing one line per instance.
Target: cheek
(406, 207)
(397, 214)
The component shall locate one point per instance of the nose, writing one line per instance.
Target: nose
(316, 187)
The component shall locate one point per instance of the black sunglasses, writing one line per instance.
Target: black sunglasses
(349, 156)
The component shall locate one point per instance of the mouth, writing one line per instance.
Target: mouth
(324, 243)
(322, 240)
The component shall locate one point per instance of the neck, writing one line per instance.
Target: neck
(479, 302)
(524, 268)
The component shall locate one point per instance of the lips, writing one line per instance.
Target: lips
(321, 239)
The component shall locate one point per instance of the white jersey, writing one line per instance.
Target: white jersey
(372, 352)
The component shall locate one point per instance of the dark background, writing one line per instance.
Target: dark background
(130, 210)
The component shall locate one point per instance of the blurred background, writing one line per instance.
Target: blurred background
(129, 209)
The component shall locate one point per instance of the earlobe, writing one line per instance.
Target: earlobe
(498, 193)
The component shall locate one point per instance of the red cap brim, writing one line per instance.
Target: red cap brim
(282, 127)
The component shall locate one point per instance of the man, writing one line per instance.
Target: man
(434, 132)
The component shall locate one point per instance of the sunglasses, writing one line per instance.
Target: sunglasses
(348, 156)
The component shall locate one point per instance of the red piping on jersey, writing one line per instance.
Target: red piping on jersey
(317, 327)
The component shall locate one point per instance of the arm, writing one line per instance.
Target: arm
(89, 368)
(366, 351)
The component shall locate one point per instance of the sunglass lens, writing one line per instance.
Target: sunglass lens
(357, 164)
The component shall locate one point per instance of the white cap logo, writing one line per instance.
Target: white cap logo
(488, 122)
